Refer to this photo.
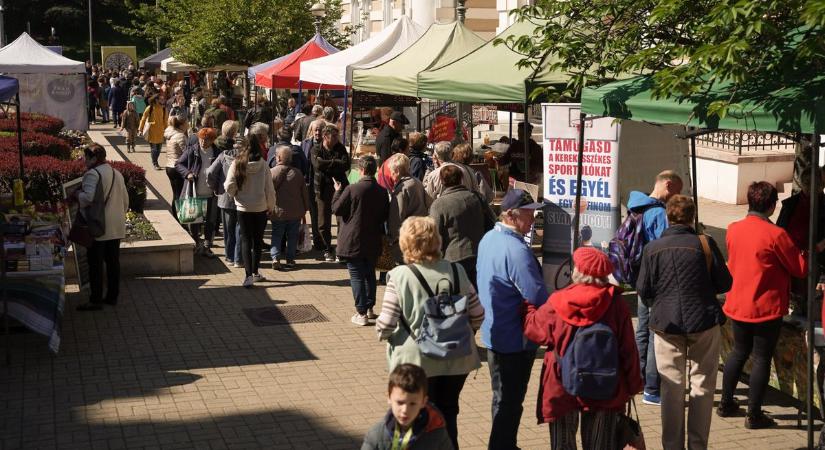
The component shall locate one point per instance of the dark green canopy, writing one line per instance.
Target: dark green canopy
(790, 107)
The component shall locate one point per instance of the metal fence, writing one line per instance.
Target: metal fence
(740, 142)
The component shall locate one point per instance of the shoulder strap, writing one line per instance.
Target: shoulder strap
(421, 279)
(703, 239)
(455, 278)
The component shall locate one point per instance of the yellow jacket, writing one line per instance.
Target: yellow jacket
(157, 123)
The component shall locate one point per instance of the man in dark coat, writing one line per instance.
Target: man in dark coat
(383, 143)
(330, 163)
(262, 113)
(117, 100)
(362, 208)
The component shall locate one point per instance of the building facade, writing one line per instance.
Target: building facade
(485, 17)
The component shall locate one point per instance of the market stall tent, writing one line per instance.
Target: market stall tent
(336, 69)
(285, 73)
(439, 46)
(252, 71)
(171, 64)
(49, 83)
(489, 74)
(152, 62)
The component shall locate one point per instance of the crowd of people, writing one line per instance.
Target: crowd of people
(421, 216)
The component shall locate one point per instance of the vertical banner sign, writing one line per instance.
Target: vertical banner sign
(62, 96)
(600, 209)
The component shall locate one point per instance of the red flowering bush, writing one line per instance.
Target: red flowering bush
(36, 144)
(45, 175)
(40, 123)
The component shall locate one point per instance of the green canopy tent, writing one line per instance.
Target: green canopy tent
(441, 44)
(489, 74)
(789, 105)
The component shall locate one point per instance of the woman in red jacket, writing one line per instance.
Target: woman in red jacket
(762, 259)
(590, 299)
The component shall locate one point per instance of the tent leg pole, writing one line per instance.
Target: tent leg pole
(273, 97)
(527, 147)
(695, 186)
(300, 91)
(352, 128)
(813, 277)
(510, 135)
(418, 116)
(19, 135)
(577, 212)
(344, 118)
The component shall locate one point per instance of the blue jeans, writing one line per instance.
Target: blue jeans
(155, 151)
(647, 355)
(232, 235)
(362, 279)
(279, 228)
(509, 376)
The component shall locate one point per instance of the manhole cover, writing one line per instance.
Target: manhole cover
(284, 315)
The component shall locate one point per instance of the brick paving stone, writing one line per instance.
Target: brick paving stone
(178, 365)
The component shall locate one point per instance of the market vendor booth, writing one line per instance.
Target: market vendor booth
(792, 107)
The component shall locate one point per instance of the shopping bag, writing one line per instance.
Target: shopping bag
(79, 233)
(191, 209)
(304, 238)
(628, 430)
(385, 262)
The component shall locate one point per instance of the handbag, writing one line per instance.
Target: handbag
(628, 431)
(304, 238)
(79, 233)
(191, 209)
(144, 132)
(385, 262)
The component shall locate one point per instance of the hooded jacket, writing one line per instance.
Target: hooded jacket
(257, 193)
(429, 432)
(175, 145)
(216, 173)
(553, 325)
(655, 217)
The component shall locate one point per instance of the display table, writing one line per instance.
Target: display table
(36, 300)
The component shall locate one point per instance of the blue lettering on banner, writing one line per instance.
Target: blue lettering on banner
(592, 188)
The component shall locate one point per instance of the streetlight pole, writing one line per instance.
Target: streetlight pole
(91, 46)
(318, 12)
(157, 39)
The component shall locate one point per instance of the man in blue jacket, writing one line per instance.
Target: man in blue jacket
(508, 275)
(668, 184)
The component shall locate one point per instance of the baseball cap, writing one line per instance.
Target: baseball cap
(399, 117)
(518, 199)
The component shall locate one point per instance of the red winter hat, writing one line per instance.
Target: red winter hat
(593, 262)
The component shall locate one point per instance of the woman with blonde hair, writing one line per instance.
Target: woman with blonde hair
(404, 301)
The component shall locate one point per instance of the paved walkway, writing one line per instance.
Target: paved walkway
(177, 364)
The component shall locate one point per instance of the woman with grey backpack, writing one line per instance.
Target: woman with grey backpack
(405, 325)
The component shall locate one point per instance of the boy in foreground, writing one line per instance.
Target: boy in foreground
(411, 423)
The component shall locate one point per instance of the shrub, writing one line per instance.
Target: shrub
(40, 123)
(45, 175)
(36, 144)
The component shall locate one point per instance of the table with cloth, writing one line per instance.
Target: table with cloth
(36, 300)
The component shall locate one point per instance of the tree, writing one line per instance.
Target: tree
(688, 45)
(247, 32)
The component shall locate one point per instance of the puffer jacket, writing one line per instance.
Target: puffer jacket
(554, 324)
(675, 282)
(429, 432)
(175, 145)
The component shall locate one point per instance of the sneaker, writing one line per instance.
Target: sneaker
(248, 282)
(371, 314)
(727, 409)
(276, 265)
(290, 264)
(360, 320)
(651, 399)
(328, 257)
(758, 421)
(155, 166)
(257, 278)
(238, 265)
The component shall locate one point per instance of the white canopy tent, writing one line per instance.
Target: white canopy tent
(173, 65)
(49, 83)
(336, 69)
(25, 55)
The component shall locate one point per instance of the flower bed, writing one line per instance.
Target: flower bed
(35, 144)
(139, 229)
(45, 175)
(40, 123)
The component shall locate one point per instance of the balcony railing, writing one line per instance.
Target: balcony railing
(746, 142)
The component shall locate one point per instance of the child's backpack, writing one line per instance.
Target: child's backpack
(625, 249)
(445, 332)
(590, 364)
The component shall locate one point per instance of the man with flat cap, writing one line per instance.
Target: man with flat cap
(389, 133)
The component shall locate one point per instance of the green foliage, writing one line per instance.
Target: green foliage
(689, 45)
(210, 32)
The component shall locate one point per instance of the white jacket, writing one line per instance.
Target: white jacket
(117, 204)
(257, 193)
